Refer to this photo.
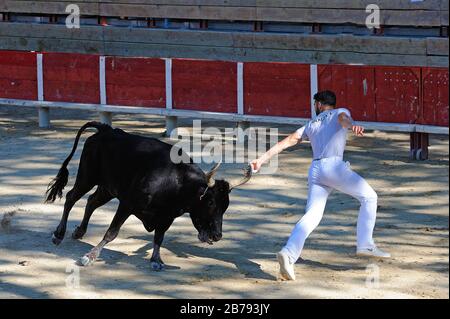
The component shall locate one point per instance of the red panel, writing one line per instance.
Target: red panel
(136, 81)
(18, 75)
(435, 96)
(71, 77)
(398, 94)
(354, 87)
(277, 89)
(204, 85)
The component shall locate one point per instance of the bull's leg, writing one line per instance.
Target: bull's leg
(71, 198)
(123, 212)
(99, 198)
(156, 261)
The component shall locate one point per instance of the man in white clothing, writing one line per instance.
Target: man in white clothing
(327, 134)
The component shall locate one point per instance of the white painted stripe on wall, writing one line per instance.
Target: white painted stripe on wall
(240, 88)
(168, 83)
(40, 77)
(314, 86)
(102, 80)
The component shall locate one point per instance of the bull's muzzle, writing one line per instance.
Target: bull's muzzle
(204, 237)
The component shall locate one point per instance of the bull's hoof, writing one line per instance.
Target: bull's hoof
(89, 258)
(56, 240)
(78, 233)
(86, 260)
(157, 266)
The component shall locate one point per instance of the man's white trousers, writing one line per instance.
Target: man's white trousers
(324, 176)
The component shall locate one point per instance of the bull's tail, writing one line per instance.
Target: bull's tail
(56, 186)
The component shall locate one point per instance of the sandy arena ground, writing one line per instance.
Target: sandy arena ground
(412, 224)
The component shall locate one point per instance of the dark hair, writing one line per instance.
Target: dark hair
(326, 98)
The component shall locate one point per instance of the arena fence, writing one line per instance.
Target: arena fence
(232, 60)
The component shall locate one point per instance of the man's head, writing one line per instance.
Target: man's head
(324, 100)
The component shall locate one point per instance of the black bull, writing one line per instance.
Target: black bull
(139, 172)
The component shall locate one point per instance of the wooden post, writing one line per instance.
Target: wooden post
(106, 118)
(171, 121)
(419, 143)
(43, 112)
(44, 117)
(240, 88)
(241, 127)
(412, 146)
(171, 124)
(314, 87)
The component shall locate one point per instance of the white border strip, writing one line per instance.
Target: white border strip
(240, 88)
(40, 77)
(314, 81)
(169, 84)
(232, 117)
(102, 80)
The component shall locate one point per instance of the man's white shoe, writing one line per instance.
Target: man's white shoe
(286, 268)
(372, 252)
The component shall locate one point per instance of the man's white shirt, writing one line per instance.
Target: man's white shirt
(328, 138)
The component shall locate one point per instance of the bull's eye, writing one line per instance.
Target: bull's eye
(210, 203)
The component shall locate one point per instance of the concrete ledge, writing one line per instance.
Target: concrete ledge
(231, 117)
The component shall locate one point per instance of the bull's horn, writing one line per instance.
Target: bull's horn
(245, 179)
(209, 176)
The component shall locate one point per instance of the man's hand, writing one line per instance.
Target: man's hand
(347, 122)
(358, 130)
(256, 165)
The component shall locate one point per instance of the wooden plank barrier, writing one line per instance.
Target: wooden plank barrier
(394, 12)
(227, 46)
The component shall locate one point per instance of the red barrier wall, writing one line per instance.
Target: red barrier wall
(277, 89)
(71, 77)
(398, 96)
(204, 85)
(435, 96)
(354, 87)
(18, 75)
(389, 94)
(135, 81)
(378, 94)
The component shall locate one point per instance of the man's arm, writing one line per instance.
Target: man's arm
(289, 141)
(347, 122)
